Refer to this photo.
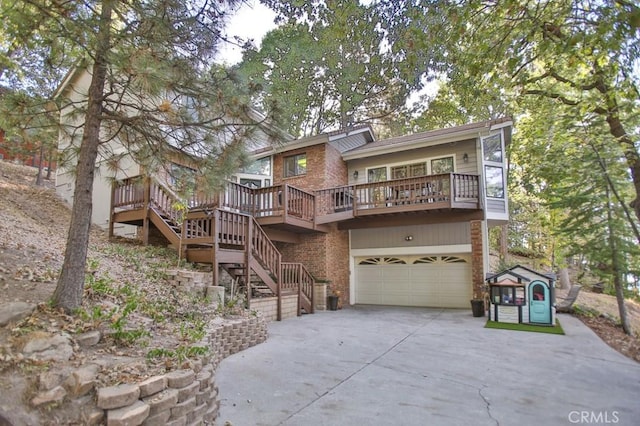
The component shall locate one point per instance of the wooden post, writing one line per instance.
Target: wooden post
(452, 189)
(354, 201)
(112, 209)
(214, 248)
(313, 297)
(299, 280)
(145, 222)
(248, 240)
(285, 202)
(279, 288)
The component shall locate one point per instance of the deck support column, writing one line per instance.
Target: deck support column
(112, 209)
(279, 285)
(215, 271)
(145, 221)
(248, 241)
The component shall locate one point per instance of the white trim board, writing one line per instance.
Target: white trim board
(448, 249)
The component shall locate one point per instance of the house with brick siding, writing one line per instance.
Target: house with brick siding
(401, 221)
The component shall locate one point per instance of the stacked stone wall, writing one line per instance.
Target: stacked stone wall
(268, 307)
(186, 396)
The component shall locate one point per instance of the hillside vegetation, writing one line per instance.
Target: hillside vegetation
(148, 325)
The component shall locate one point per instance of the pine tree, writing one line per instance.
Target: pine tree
(153, 88)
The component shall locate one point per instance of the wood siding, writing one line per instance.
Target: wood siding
(495, 205)
(423, 235)
(458, 149)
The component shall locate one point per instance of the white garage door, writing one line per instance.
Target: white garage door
(437, 281)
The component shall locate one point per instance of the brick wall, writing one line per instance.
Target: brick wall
(326, 255)
(313, 179)
(325, 168)
(477, 263)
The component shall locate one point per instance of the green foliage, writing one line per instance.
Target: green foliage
(193, 331)
(584, 311)
(151, 261)
(155, 60)
(330, 69)
(556, 329)
(180, 354)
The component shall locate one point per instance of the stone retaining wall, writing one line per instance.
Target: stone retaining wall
(268, 307)
(188, 396)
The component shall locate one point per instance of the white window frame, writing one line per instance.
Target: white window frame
(426, 160)
(495, 164)
(296, 174)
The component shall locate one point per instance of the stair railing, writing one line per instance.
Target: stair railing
(263, 249)
(296, 277)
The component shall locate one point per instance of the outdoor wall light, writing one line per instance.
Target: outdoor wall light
(408, 238)
(465, 157)
(355, 175)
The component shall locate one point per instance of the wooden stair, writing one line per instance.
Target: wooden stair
(223, 238)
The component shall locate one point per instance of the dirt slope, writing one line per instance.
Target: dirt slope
(33, 227)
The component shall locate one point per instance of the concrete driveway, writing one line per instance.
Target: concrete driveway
(408, 366)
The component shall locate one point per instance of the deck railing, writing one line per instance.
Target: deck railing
(264, 249)
(442, 190)
(334, 200)
(284, 200)
(424, 189)
(296, 278)
(419, 193)
(128, 193)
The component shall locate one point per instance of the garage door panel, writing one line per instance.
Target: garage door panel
(434, 281)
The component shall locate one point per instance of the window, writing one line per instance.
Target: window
(442, 165)
(538, 292)
(377, 175)
(261, 166)
(507, 295)
(492, 147)
(181, 178)
(494, 166)
(295, 165)
(495, 181)
(251, 183)
(408, 170)
(433, 166)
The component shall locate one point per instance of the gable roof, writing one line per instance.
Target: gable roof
(520, 275)
(428, 138)
(341, 139)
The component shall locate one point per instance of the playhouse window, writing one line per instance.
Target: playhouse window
(506, 295)
(538, 292)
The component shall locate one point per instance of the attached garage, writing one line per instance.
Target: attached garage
(442, 281)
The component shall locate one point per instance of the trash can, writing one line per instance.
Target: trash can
(332, 303)
(477, 307)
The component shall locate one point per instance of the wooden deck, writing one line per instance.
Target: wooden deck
(436, 193)
(290, 209)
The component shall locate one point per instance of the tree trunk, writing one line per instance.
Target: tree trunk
(617, 272)
(504, 243)
(618, 131)
(49, 163)
(69, 290)
(622, 309)
(563, 278)
(39, 176)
